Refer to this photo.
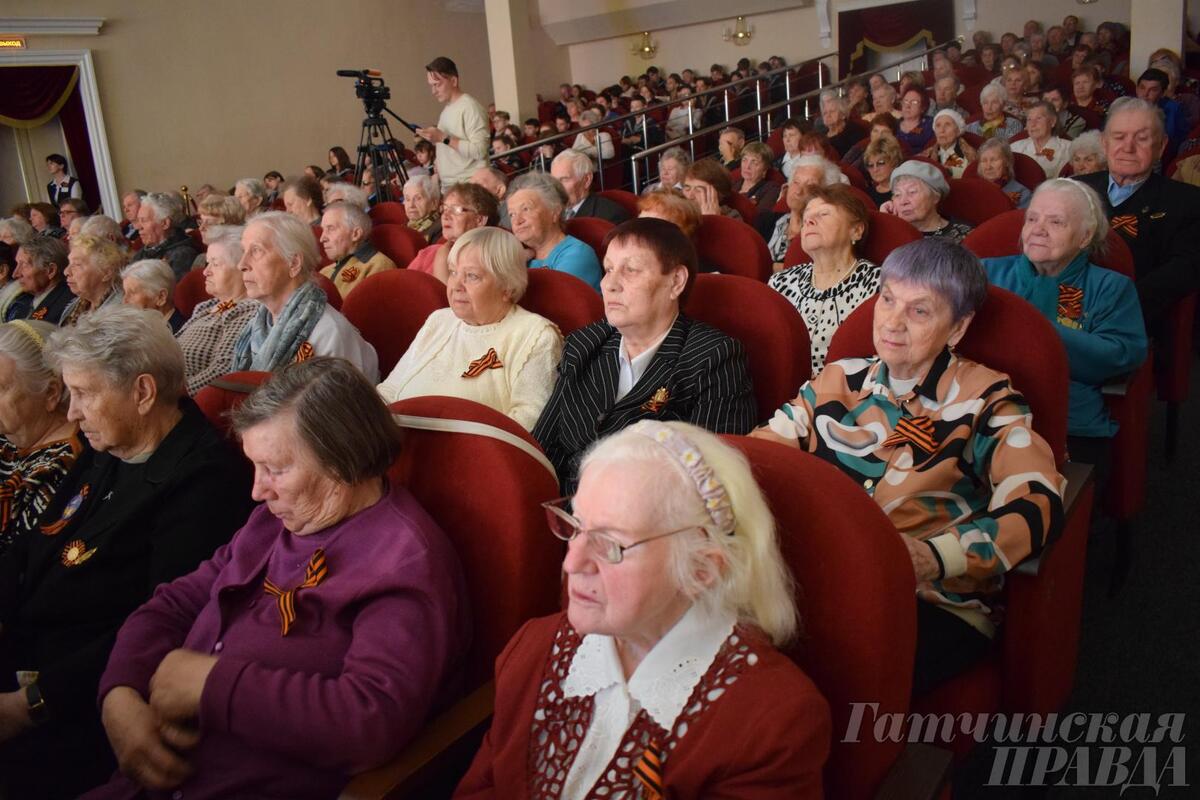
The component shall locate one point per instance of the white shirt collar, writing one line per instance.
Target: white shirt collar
(668, 674)
(631, 370)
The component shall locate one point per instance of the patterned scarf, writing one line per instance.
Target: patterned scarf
(265, 346)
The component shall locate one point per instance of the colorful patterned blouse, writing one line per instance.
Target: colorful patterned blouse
(28, 480)
(954, 462)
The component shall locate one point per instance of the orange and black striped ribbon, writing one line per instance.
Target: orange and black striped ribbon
(480, 365)
(649, 771)
(304, 353)
(224, 306)
(1126, 223)
(8, 491)
(314, 573)
(1070, 302)
(40, 313)
(914, 430)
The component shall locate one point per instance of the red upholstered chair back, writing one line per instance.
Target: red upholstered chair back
(769, 328)
(775, 142)
(389, 307)
(974, 201)
(1027, 171)
(743, 205)
(563, 299)
(626, 200)
(854, 174)
(225, 394)
(398, 242)
(388, 211)
(734, 247)
(486, 495)
(331, 292)
(973, 139)
(856, 599)
(591, 231)
(190, 292)
(1008, 335)
(884, 234)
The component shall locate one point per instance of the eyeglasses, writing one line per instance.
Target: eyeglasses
(459, 210)
(880, 163)
(599, 543)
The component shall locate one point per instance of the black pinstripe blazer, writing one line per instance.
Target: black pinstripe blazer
(703, 371)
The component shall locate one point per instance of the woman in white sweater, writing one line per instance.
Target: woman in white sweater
(484, 347)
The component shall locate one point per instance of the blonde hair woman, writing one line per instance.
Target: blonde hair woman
(93, 276)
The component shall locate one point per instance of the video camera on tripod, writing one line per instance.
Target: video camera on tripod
(377, 149)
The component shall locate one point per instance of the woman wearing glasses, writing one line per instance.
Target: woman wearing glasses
(662, 678)
(464, 208)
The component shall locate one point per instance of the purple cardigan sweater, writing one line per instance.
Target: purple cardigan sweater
(375, 646)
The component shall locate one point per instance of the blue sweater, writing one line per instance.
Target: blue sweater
(573, 256)
(1107, 340)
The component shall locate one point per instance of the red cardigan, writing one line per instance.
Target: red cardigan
(767, 737)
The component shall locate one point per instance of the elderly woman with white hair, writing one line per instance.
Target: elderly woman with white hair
(38, 444)
(535, 203)
(1086, 154)
(672, 168)
(484, 347)
(995, 164)
(841, 132)
(209, 336)
(1049, 151)
(294, 320)
(422, 200)
(585, 141)
(949, 148)
(674, 583)
(1095, 311)
(883, 101)
(252, 194)
(944, 445)
(156, 493)
(807, 173)
(93, 276)
(150, 283)
(106, 228)
(157, 224)
(917, 188)
(993, 122)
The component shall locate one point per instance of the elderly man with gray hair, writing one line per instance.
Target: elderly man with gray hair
(41, 272)
(346, 237)
(496, 184)
(536, 203)
(964, 520)
(575, 171)
(252, 194)
(157, 222)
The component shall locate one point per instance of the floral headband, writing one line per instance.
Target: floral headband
(712, 492)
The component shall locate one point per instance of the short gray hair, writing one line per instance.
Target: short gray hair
(949, 269)
(346, 193)
(20, 342)
(991, 91)
(16, 227)
(165, 206)
(154, 274)
(589, 117)
(339, 416)
(104, 227)
(254, 186)
(836, 101)
(996, 143)
(292, 237)
(831, 174)
(501, 253)
(229, 239)
(579, 163)
(352, 215)
(548, 189)
(1088, 142)
(46, 250)
(1087, 207)
(428, 186)
(678, 155)
(121, 343)
(1129, 104)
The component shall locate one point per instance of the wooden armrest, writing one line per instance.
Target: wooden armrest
(449, 739)
(1077, 476)
(918, 774)
(233, 386)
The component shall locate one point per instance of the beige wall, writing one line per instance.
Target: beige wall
(1001, 16)
(214, 91)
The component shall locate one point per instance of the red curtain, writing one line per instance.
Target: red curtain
(32, 96)
(899, 27)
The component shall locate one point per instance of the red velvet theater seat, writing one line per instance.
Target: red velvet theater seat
(591, 231)
(734, 247)
(400, 243)
(190, 292)
(389, 307)
(563, 299)
(388, 211)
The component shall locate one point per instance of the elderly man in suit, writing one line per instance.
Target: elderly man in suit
(40, 269)
(1158, 218)
(645, 360)
(575, 171)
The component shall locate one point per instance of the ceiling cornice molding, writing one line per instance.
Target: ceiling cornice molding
(52, 26)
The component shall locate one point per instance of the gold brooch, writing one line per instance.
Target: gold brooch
(75, 553)
(657, 401)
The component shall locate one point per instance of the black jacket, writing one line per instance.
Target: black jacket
(1161, 224)
(596, 206)
(49, 310)
(178, 250)
(703, 372)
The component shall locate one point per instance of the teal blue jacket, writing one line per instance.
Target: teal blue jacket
(1106, 341)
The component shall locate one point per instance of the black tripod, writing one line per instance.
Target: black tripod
(378, 150)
